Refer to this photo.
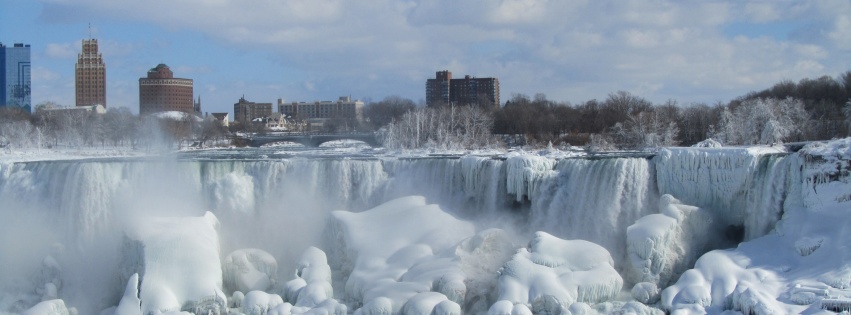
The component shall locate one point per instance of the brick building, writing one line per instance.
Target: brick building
(245, 111)
(90, 74)
(161, 91)
(344, 107)
(443, 89)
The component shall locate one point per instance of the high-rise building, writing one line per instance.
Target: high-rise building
(245, 111)
(90, 74)
(344, 107)
(15, 81)
(161, 92)
(443, 89)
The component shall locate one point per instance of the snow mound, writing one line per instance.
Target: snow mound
(130, 303)
(311, 289)
(50, 307)
(250, 269)
(259, 303)
(177, 260)
(553, 273)
(708, 143)
(722, 281)
(662, 246)
(383, 273)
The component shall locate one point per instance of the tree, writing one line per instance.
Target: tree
(445, 128)
(386, 111)
(763, 121)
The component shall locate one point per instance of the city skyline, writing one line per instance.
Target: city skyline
(571, 51)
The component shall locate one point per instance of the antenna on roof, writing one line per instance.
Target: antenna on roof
(90, 30)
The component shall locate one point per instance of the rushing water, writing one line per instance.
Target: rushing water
(279, 201)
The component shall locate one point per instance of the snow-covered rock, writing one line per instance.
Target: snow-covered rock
(247, 270)
(50, 307)
(385, 272)
(708, 143)
(553, 273)
(130, 303)
(259, 303)
(662, 246)
(312, 285)
(177, 259)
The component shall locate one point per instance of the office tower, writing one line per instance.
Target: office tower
(15, 81)
(90, 74)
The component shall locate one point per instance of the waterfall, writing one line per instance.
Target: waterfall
(595, 200)
(281, 205)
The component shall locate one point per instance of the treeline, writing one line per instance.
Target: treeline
(117, 127)
(808, 110)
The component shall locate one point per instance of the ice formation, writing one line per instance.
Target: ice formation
(661, 246)
(409, 255)
(799, 265)
(553, 273)
(595, 200)
(383, 273)
(524, 173)
(50, 307)
(708, 143)
(250, 269)
(743, 186)
(177, 261)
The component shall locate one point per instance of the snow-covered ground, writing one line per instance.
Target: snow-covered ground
(32, 155)
(687, 231)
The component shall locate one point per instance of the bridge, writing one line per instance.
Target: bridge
(313, 139)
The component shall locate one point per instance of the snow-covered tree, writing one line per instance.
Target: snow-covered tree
(762, 121)
(448, 128)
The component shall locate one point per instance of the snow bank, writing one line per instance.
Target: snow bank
(553, 273)
(51, 307)
(177, 260)
(387, 255)
(661, 246)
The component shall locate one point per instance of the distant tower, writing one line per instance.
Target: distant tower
(90, 75)
(15, 78)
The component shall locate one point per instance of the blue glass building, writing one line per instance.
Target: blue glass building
(15, 80)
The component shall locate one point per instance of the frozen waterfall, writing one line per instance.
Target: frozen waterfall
(76, 213)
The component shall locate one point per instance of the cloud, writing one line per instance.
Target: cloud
(39, 73)
(60, 51)
(570, 50)
(761, 12)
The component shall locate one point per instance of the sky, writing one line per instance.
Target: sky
(307, 50)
